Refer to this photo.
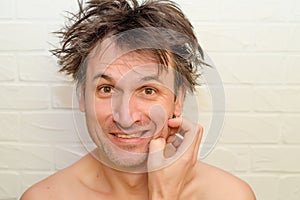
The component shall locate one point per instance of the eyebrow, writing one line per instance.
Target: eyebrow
(150, 78)
(100, 75)
(146, 78)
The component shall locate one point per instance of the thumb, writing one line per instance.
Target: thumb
(157, 145)
(156, 154)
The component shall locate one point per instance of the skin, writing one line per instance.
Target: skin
(116, 101)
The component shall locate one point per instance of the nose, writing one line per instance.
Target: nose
(125, 113)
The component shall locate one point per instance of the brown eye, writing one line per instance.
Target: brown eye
(149, 91)
(106, 89)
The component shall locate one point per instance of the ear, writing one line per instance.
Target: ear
(81, 97)
(179, 101)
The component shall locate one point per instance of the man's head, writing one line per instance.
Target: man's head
(157, 26)
(134, 63)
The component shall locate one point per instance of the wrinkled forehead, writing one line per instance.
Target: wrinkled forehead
(108, 57)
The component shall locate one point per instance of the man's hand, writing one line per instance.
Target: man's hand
(167, 176)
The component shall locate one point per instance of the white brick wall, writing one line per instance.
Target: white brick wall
(255, 46)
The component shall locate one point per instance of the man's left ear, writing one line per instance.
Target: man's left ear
(179, 101)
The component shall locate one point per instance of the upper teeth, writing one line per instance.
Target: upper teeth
(128, 135)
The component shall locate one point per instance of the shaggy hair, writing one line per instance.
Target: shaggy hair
(157, 27)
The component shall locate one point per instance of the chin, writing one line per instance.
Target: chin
(125, 158)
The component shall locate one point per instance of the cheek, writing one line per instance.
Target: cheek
(168, 114)
(165, 131)
(159, 115)
(102, 110)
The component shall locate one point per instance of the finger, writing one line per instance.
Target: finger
(189, 132)
(157, 145)
(171, 138)
(158, 116)
(175, 122)
(174, 125)
(173, 131)
(156, 154)
(186, 126)
(169, 151)
(178, 140)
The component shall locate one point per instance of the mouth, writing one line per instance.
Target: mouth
(137, 135)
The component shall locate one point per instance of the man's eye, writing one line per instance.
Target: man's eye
(105, 89)
(149, 91)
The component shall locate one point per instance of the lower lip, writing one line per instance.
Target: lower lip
(134, 140)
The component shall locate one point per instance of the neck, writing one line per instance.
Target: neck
(130, 182)
(125, 183)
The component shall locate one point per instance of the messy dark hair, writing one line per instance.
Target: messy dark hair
(157, 26)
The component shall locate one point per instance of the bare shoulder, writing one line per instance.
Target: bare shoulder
(39, 190)
(48, 188)
(61, 183)
(220, 185)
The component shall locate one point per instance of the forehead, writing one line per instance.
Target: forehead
(116, 62)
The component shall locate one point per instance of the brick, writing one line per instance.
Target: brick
(14, 198)
(200, 101)
(290, 130)
(254, 45)
(198, 109)
(254, 10)
(210, 97)
(241, 128)
(26, 157)
(6, 9)
(30, 178)
(64, 96)
(250, 68)
(239, 98)
(291, 99)
(248, 37)
(49, 127)
(12, 39)
(284, 38)
(65, 155)
(202, 118)
(53, 40)
(222, 38)
(8, 68)
(215, 59)
(275, 159)
(264, 186)
(294, 41)
(24, 97)
(267, 99)
(284, 99)
(46, 9)
(293, 70)
(200, 10)
(11, 185)
(295, 11)
(232, 159)
(39, 68)
(212, 124)
(289, 187)
(9, 127)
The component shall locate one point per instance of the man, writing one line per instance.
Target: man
(134, 64)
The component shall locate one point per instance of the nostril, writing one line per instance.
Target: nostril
(123, 119)
(116, 116)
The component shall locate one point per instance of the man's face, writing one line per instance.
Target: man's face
(127, 102)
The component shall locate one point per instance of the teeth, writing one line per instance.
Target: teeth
(126, 136)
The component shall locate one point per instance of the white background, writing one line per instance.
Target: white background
(254, 44)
